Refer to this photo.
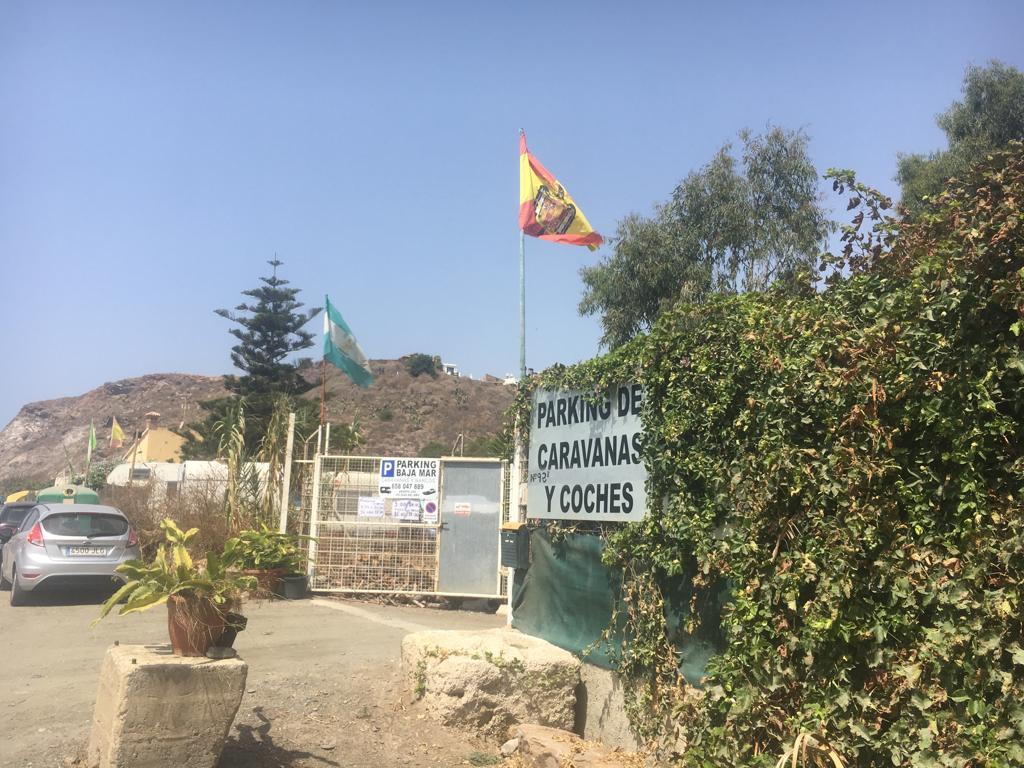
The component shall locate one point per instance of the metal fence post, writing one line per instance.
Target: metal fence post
(520, 464)
(314, 519)
(286, 480)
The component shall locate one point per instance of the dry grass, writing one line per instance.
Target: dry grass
(145, 509)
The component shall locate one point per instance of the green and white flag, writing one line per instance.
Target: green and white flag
(92, 442)
(341, 348)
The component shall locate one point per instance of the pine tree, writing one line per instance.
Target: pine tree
(270, 328)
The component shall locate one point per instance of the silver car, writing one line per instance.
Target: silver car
(65, 545)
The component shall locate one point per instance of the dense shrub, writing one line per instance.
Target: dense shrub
(850, 467)
(419, 364)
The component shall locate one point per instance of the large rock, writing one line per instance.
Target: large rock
(488, 681)
(154, 709)
(542, 747)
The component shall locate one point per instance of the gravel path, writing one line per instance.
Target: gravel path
(323, 686)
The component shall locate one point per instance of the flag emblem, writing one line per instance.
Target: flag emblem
(546, 209)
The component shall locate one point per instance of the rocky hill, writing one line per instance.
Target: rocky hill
(398, 415)
(45, 436)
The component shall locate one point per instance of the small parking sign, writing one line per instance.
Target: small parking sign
(409, 478)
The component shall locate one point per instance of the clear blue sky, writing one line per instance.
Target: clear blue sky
(154, 155)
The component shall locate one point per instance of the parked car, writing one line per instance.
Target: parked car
(66, 545)
(11, 515)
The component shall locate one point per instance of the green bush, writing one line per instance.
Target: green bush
(849, 467)
(267, 550)
(419, 363)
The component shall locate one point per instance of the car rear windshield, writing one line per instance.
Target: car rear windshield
(85, 524)
(13, 515)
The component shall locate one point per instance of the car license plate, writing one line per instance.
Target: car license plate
(87, 551)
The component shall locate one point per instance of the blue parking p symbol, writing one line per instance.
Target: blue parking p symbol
(387, 468)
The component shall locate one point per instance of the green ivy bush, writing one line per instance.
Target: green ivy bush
(849, 467)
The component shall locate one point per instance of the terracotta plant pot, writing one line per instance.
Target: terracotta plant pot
(267, 579)
(194, 624)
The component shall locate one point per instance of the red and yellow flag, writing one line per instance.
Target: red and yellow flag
(546, 210)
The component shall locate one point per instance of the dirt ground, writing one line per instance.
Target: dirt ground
(323, 685)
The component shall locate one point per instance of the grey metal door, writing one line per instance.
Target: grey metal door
(470, 523)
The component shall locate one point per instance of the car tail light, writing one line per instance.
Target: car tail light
(133, 537)
(35, 536)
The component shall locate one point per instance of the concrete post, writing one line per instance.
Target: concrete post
(155, 709)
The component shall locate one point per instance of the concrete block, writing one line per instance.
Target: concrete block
(155, 709)
(488, 681)
(601, 709)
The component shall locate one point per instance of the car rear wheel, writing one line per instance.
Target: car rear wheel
(18, 595)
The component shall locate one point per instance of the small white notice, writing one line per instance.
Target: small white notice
(371, 506)
(406, 509)
(430, 512)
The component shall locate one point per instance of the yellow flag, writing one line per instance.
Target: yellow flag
(116, 435)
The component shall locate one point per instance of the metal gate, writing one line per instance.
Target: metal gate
(454, 551)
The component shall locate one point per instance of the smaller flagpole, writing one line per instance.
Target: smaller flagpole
(88, 453)
(135, 451)
(323, 389)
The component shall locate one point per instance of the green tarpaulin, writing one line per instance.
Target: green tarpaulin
(567, 597)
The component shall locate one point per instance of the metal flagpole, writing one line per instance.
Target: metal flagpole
(522, 305)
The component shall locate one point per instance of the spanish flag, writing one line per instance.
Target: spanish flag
(546, 210)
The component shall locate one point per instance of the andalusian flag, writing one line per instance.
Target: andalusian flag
(546, 210)
(341, 348)
(116, 434)
(92, 442)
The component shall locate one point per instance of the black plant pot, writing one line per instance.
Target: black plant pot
(233, 624)
(294, 586)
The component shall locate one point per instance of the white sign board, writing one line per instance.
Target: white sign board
(585, 461)
(409, 478)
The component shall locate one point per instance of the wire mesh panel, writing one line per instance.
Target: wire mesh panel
(376, 558)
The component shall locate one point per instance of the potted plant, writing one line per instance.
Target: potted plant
(268, 556)
(198, 598)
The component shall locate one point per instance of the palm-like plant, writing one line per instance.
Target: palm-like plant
(173, 572)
